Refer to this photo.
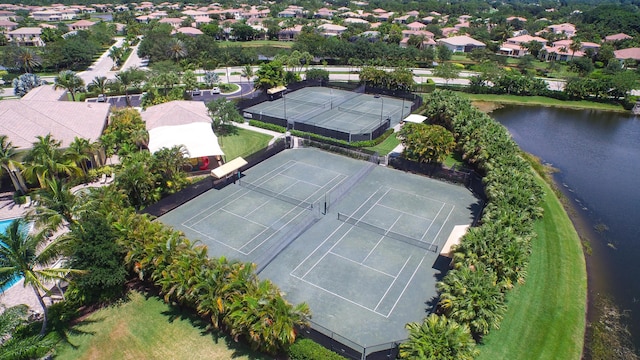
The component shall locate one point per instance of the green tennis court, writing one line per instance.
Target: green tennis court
(356, 241)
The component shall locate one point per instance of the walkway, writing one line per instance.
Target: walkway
(275, 134)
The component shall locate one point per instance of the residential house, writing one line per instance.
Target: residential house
(401, 19)
(630, 53)
(7, 15)
(47, 15)
(324, 13)
(462, 43)
(514, 18)
(175, 22)
(448, 31)
(81, 25)
(415, 26)
(331, 29)
(348, 21)
(189, 31)
(514, 46)
(6, 26)
(617, 37)
(27, 36)
(413, 13)
(567, 29)
(289, 34)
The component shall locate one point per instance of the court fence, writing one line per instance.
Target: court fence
(467, 177)
(347, 348)
(200, 187)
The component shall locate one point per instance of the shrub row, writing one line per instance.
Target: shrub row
(494, 256)
(227, 293)
(305, 349)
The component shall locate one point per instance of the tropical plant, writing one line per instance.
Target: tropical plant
(575, 45)
(80, 151)
(17, 342)
(9, 163)
(69, 81)
(46, 160)
(270, 75)
(31, 255)
(189, 80)
(472, 296)
(247, 72)
(426, 143)
(127, 78)
(177, 49)
(446, 71)
(99, 84)
(24, 83)
(57, 205)
(124, 131)
(137, 180)
(27, 59)
(438, 338)
(222, 113)
(116, 54)
(211, 78)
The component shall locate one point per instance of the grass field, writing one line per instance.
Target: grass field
(386, 146)
(147, 328)
(242, 143)
(541, 100)
(546, 315)
(257, 43)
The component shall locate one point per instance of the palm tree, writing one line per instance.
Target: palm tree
(177, 49)
(99, 84)
(9, 164)
(472, 296)
(46, 160)
(57, 206)
(31, 256)
(127, 78)
(80, 151)
(115, 54)
(27, 59)
(247, 72)
(438, 338)
(575, 45)
(69, 81)
(16, 343)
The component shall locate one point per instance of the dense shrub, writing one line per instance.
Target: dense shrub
(305, 349)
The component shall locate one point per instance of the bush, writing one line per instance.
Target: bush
(268, 126)
(306, 349)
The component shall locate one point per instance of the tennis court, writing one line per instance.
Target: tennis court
(340, 114)
(364, 264)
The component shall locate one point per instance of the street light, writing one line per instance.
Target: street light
(284, 102)
(381, 107)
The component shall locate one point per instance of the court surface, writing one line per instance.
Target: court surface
(365, 264)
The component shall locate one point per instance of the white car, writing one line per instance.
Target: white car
(102, 98)
(215, 90)
(196, 92)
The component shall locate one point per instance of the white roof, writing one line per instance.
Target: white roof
(415, 118)
(197, 138)
(175, 113)
(462, 40)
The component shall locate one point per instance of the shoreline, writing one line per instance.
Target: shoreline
(490, 102)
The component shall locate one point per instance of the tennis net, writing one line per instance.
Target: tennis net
(351, 111)
(311, 103)
(276, 195)
(386, 232)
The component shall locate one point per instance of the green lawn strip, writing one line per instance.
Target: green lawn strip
(386, 146)
(541, 100)
(244, 142)
(147, 328)
(546, 315)
(257, 43)
(453, 159)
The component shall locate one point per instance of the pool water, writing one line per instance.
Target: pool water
(3, 226)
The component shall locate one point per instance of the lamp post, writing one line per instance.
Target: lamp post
(284, 102)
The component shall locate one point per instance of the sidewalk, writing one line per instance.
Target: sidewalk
(275, 134)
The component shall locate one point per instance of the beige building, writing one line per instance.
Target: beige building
(28, 36)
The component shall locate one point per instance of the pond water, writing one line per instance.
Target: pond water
(3, 226)
(598, 158)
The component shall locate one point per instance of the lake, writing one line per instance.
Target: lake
(597, 155)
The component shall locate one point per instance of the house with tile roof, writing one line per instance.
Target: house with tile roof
(462, 43)
(26, 36)
(617, 37)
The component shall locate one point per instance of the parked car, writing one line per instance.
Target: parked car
(196, 92)
(102, 98)
(215, 90)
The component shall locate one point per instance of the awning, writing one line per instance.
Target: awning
(275, 90)
(415, 118)
(197, 138)
(228, 168)
(454, 239)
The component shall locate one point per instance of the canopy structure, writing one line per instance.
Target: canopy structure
(277, 89)
(228, 168)
(454, 239)
(197, 138)
(415, 118)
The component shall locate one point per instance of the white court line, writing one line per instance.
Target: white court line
(394, 224)
(416, 195)
(340, 296)
(406, 286)
(272, 235)
(445, 221)
(372, 206)
(391, 285)
(240, 216)
(404, 212)
(328, 252)
(363, 265)
(300, 181)
(373, 249)
(316, 249)
(433, 221)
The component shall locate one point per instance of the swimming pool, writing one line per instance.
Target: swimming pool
(3, 226)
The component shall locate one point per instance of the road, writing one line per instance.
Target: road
(102, 66)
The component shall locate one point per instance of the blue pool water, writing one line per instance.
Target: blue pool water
(3, 226)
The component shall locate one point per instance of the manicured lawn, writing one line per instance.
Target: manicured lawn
(386, 146)
(243, 143)
(453, 159)
(257, 43)
(546, 315)
(541, 100)
(147, 328)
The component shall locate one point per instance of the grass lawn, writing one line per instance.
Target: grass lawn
(243, 143)
(541, 100)
(257, 43)
(546, 315)
(386, 146)
(147, 328)
(454, 159)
